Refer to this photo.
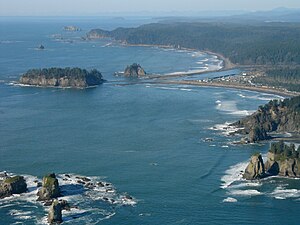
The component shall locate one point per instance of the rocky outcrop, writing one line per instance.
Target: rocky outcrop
(258, 134)
(282, 160)
(50, 188)
(55, 211)
(134, 70)
(59, 77)
(255, 169)
(276, 116)
(12, 185)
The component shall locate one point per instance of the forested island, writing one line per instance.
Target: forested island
(62, 77)
(275, 116)
(274, 48)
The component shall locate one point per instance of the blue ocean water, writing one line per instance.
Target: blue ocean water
(147, 140)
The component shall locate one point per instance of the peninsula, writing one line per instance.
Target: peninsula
(62, 77)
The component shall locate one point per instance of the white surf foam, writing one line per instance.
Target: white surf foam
(225, 128)
(229, 199)
(248, 192)
(76, 189)
(282, 193)
(234, 173)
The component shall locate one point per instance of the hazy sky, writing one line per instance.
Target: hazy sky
(92, 7)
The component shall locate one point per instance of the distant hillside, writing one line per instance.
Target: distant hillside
(259, 44)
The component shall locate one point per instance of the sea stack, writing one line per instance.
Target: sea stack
(134, 70)
(50, 188)
(255, 169)
(55, 211)
(282, 160)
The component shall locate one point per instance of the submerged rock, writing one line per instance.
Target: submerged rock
(50, 188)
(255, 169)
(134, 70)
(12, 185)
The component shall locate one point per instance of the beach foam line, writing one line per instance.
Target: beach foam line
(282, 193)
(248, 192)
(229, 199)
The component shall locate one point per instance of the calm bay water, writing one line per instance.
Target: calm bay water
(147, 140)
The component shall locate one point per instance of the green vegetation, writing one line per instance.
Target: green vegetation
(57, 73)
(260, 44)
(263, 44)
(285, 77)
(283, 151)
(13, 179)
(292, 104)
(256, 154)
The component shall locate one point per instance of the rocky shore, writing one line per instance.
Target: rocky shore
(54, 190)
(276, 116)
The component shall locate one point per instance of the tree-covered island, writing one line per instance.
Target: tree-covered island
(62, 77)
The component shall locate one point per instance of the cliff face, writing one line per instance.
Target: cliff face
(279, 116)
(282, 160)
(255, 168)
(56, 77)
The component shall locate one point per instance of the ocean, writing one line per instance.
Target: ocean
(144, 140)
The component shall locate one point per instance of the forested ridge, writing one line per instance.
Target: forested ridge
(263, 44)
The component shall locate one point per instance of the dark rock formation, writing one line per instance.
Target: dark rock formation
(55, 211)
(50, 188)
(134, 70)
(41, 47)
(276, 116)
(255, 169)
(257, 134)
(12, 185)
(282, 160)
(58, 77)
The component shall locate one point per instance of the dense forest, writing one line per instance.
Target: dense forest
(260, 44)
(57, 73)
(62, 77)
(285, 77)
(283, 151)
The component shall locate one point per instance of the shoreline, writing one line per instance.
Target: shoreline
(227, 64)
(239, 87)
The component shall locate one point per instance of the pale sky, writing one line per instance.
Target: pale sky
(95, 7)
